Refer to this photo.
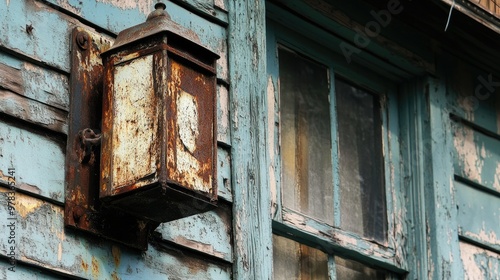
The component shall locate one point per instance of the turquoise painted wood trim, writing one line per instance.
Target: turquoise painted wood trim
(319, 235)
(397, 208)
(248, 107)
(332, 268)
(413, 153)
(443, 249)
(313, 232)
(335, 153)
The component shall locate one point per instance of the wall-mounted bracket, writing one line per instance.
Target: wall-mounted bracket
(83, 209)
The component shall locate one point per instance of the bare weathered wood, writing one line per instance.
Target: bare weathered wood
(10, 79)
(491, 6)
(33, 111)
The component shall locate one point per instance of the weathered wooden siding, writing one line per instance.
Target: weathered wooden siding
(475, 109)
(34, 104)
(454, 187)
(451, 157)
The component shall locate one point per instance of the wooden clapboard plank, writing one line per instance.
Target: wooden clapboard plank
(209, 232)
(478, 215)
(34, 82)
(476, 156)
(37, 159)
(33, 111)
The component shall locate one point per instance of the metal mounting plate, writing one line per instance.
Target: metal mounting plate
(83, 209)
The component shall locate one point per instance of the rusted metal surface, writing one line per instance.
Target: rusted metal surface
(135, 140)
(191, 160)
(159, 122)
(83, 209)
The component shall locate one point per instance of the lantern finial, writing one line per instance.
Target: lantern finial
(159, 10)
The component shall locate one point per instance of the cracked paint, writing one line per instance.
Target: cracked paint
(479, 263)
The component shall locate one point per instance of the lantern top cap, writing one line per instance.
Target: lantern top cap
(158, 21)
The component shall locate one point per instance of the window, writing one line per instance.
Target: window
(334, 159)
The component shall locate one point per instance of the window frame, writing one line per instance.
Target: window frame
(309, 231)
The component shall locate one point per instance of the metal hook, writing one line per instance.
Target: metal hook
(88, 140)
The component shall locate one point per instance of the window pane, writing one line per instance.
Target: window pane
(292, 260)
(351, 270)
(362, 195)
(305, 136)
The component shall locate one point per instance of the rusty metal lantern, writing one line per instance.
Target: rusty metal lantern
(158, 151)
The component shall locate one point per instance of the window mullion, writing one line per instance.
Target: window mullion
(334, 151)
(332, 269)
